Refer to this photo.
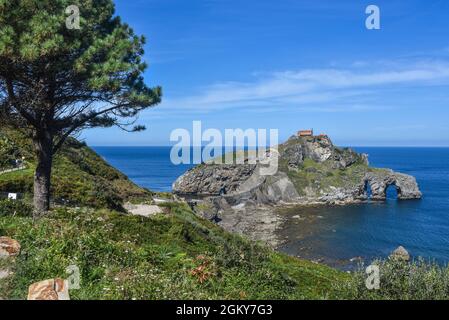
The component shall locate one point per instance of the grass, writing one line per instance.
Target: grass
(400, 280)
(175, 255)
(16, 174)
(80, 177)
(168, 256)
(322, 176)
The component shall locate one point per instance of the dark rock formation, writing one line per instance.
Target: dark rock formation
(344, 158)
(213, 179)
(319, 149)
(294, 155)
(311, 170)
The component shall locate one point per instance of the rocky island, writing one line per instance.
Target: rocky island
(311, 171)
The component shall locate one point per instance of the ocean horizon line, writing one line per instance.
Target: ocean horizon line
(343, 146)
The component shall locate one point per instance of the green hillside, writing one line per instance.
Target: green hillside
(169, 255)
(174, 255)
(80, 176)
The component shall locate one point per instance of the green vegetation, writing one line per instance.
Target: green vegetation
(80, 177)
(322, 176)
(58, 78)
(8, 153)
(15, 208)
(17, 181)
(174, 255)
(343, 169)
(169, 256)
(178, 255)
(400, 280)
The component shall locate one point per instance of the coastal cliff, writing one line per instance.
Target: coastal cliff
(311, 170)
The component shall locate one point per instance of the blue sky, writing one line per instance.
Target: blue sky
(294, 64)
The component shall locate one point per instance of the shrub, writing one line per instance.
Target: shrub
(399, 280)
(15, 208)
(104, 196)
(167, 256)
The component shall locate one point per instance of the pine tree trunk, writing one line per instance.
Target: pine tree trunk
(43, 146)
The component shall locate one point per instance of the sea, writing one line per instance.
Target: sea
(335, 235)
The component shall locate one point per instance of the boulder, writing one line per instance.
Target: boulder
(5, 274)
(52, 289)
(9, 247)
(400, 254)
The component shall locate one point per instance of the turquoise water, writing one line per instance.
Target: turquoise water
(336, 234)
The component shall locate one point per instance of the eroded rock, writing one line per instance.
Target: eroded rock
(9, 247)
(52, 289)
(311, 171)
(330, 175)
(406, 185)
(5, 274)
(400, 254)
(294, 155)
(213, 179)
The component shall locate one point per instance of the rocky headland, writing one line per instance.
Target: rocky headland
(311, 171)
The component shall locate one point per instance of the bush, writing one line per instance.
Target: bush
(18, 181)
(399, 280)
(15, 208)
(104, 196)
(168, 256)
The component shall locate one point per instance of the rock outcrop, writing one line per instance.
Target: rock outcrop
(5, 274)
(400, 254)
(213, 179)
(310, 170)
(9, 247)
(319, 149)
(52, 289)
(406, 186)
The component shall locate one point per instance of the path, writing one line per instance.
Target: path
(13, 170)
(143, 210)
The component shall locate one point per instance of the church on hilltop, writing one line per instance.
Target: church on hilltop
(309, 133)
(305, 133)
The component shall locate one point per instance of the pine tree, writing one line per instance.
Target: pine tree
(57, 79)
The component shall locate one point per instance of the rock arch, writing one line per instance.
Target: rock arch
(367, 191)
(406, 186)
(393, 185)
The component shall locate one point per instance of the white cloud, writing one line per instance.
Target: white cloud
(314, 89)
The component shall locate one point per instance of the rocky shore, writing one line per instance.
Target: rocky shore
(311, 171)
